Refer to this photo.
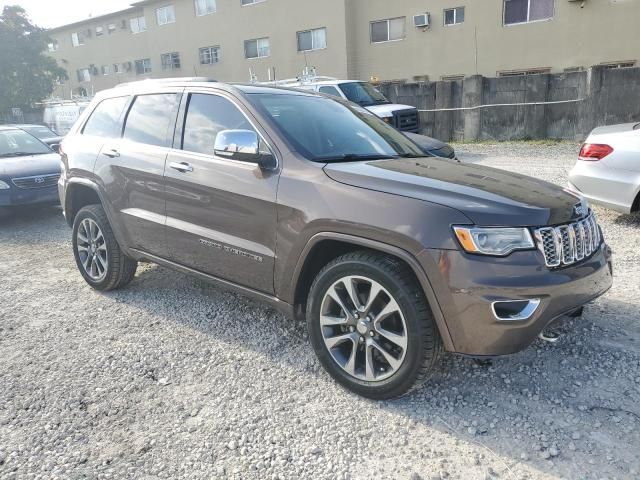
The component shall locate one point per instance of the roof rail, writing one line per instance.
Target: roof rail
(169, 80)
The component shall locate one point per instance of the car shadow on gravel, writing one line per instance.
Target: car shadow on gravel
(25, 215)
(567, 409)
(630, 220)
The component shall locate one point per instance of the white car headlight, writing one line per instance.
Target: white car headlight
(4, 185)
(494, 241)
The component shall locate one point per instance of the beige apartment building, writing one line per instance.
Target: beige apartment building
(387, 40)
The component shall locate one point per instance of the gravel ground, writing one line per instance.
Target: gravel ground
(173, 378)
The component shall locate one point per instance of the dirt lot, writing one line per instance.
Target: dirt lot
(173, 378)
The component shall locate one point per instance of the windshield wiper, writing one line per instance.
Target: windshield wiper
(354, 157)
(21, 154)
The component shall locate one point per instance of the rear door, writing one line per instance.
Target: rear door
(221, 213)
(132, 168)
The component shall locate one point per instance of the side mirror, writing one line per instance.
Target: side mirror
(55, 147)
(245, 146)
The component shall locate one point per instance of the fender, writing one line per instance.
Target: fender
(391, 250)
(85, 182)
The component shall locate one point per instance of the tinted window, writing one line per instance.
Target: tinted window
(105, 119)
(208, 115)
(151, 119)
(40, 132)
(323, 129)
(330, 91)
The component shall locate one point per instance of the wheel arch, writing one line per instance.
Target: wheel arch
(79, 193)
(325, 247)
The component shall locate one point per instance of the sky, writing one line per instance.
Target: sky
(53, 13)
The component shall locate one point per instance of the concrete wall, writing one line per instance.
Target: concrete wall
(595, 97)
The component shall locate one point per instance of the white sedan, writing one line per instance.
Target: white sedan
(608, 168)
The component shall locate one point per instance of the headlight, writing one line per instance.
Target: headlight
(4, 185)
(494, 241)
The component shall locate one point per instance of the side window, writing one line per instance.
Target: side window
(330, 91)
(105, 119)
(151, 119)
(208, 115)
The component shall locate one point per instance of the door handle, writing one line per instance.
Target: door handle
(113, 153)
(183, 167)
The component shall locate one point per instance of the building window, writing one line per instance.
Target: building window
(53, 46)
(315, 39)
(106, 70)
(257, 48)
(244, 3)
(454, 16)
(525, 11)
(111, 28)
(99, 31)
(209, 55)
(170, 61)
(205, 7)
(84, 75)
(623, 64)
(522, 73)
(387, 30)
(166, 15)
(77, 39)
(138, 25)
(143, 66)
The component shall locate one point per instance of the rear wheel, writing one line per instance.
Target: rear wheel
(98, 256)
(370, 325)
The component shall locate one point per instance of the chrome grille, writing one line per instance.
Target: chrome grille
(568, 244)
(37, 181)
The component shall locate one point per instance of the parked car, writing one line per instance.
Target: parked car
(325, 211)
(43, 133)
(432, 146)
(608, 168)
(29, 169)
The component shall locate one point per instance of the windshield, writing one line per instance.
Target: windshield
(16, 143)
(326, 130)
(363, 94)
(40, 132)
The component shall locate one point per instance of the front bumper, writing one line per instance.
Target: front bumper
(17, 196)
(467, 285)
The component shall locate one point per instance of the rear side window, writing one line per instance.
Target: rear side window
(208, 115)
(151, 119)
(105, 119)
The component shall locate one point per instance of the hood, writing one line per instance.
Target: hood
(487, 196)
(16, 167)
(387, 109)
(424, 142)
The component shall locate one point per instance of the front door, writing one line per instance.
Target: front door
(221, 213)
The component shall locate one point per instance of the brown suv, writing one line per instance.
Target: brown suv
(322, 209)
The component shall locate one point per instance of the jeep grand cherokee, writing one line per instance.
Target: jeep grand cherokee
(320, 208)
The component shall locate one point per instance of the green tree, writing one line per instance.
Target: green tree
(27, 73)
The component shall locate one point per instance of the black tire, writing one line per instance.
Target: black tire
(424, 345)
(120, 268)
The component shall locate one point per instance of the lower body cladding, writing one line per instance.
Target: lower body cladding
(29, 196)
(499, 306)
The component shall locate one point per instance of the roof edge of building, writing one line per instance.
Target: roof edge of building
(136, 7)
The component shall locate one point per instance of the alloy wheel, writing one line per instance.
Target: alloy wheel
(363, 328)
(92, 249)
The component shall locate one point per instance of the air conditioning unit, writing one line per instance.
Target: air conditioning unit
(422, 20)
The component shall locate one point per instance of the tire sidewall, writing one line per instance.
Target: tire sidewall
(406, 375)
(82, 215)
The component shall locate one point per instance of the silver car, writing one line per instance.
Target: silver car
(608, 168)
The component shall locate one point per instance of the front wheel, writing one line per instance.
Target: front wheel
(98, 256)
(370, 325)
